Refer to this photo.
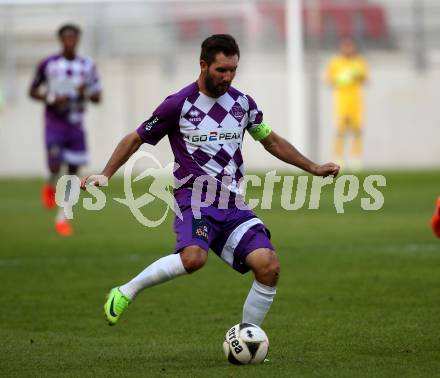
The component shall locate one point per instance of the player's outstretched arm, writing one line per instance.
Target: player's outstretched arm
(126, 147)
(283, 150)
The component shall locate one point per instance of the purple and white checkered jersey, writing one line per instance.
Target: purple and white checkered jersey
(206, 136)
(64, 77)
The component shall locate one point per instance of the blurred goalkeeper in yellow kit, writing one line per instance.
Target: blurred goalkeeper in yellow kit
(346, 73)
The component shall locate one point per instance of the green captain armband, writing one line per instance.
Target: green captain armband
(259, 132)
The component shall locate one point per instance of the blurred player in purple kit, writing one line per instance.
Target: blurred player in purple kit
(65, 82)
(205, 123)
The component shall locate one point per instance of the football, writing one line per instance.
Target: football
(245, 343)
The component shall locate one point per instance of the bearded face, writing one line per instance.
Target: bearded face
(218, 76)
(217, 87)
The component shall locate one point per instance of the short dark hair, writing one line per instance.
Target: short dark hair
(218, 43)
(71, 27)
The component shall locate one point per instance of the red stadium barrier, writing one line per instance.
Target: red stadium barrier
(341, 17)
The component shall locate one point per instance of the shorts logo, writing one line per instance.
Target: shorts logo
(150, 123)
(200, 229)
(238, 112)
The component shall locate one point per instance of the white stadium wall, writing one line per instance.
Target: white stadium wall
(402, 113)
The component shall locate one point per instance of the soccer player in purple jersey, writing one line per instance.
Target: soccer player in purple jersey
(205, 123)
(65, 82)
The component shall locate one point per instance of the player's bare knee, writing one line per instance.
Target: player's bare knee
(193, 258)
(266, 267)
(272, 267)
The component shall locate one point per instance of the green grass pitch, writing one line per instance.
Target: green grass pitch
(359, 294)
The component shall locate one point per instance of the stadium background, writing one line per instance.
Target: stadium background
(358, 295)
(148, 49)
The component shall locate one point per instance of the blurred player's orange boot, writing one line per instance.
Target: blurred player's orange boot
(64, 228)
(436, 218)
(48, 196)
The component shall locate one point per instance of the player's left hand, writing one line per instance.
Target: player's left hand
(328, 169)
(95, 180)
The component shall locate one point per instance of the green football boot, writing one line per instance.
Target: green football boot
(116, 304)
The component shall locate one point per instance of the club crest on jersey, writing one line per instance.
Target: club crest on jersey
(238, 112)
(200, 229)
